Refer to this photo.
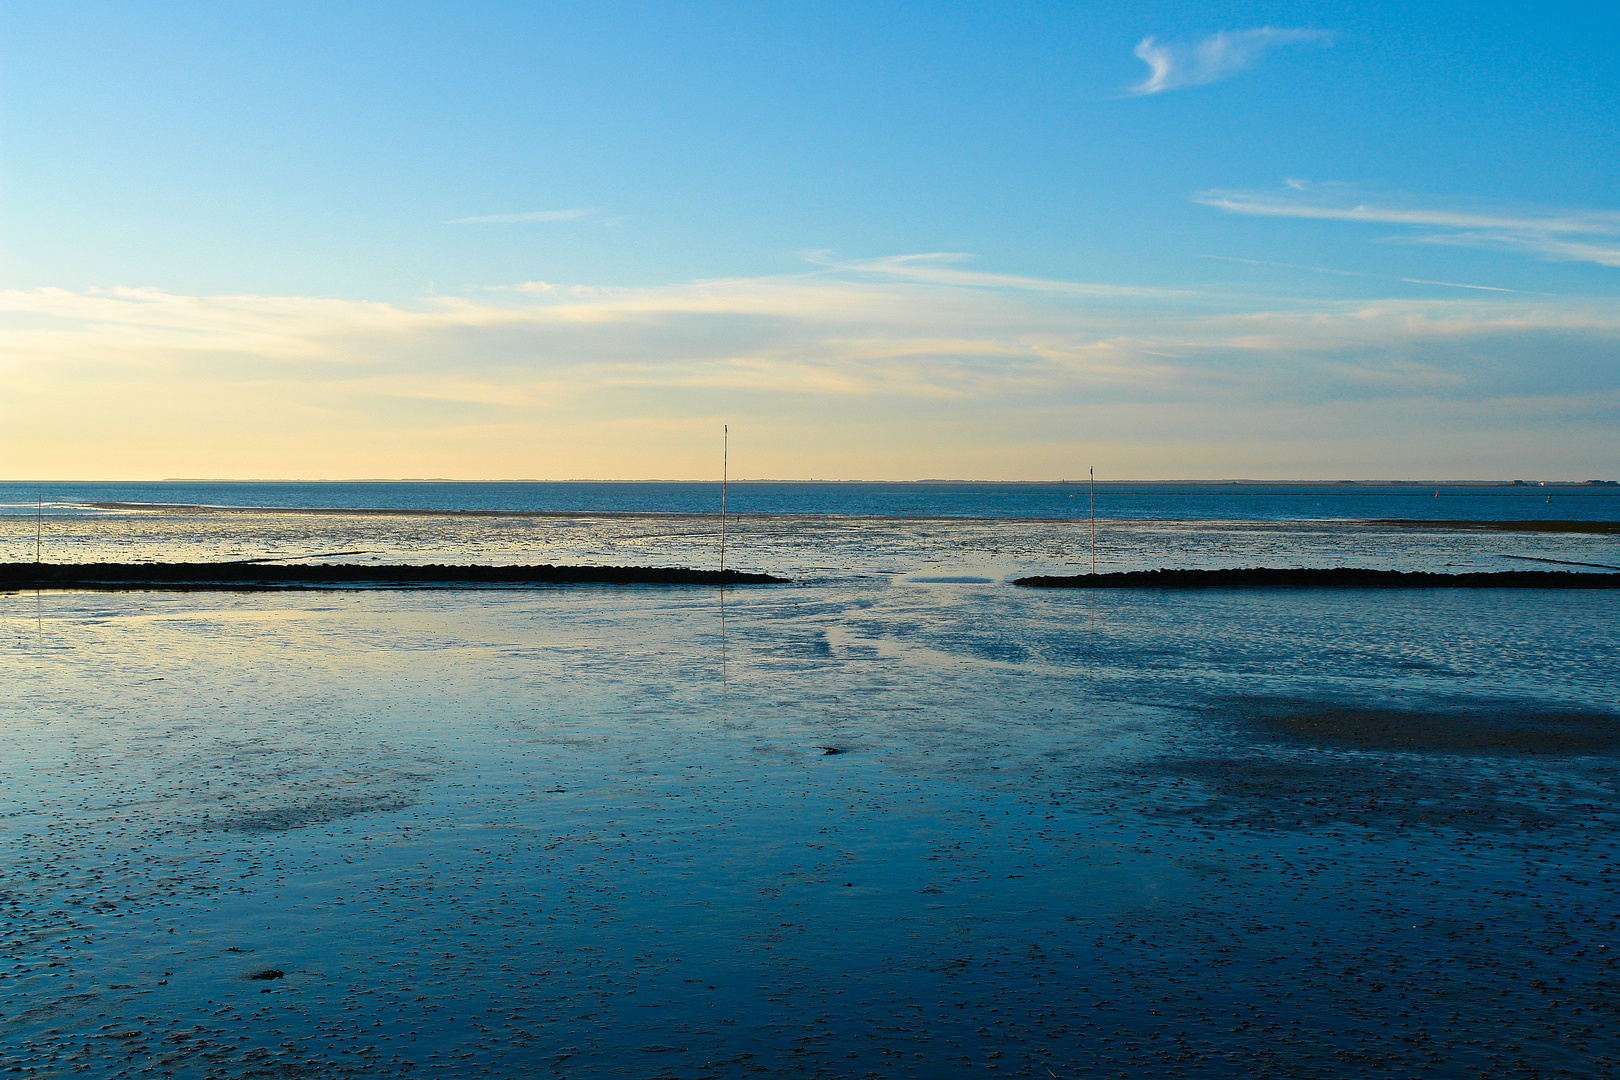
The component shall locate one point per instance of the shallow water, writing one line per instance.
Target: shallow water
(596, 831)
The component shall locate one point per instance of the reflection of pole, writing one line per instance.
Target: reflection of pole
(725, 471)
(725, 475)
(1094, 519)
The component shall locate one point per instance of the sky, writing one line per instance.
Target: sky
(879, 241)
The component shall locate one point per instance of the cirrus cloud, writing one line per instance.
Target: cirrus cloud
(1218, 56)
(530, 217)
(1591, 236)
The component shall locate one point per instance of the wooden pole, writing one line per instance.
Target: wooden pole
(725, 476)
(1094, 519)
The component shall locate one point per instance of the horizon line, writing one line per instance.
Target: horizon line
(1473, 481)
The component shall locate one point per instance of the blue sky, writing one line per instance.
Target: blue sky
(881, 240)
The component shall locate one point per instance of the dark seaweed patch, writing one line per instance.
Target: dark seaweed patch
(302, 815)
(1338, 577)
(1319, 765)
(255, 575)
(1316, 792)
(1489, 731)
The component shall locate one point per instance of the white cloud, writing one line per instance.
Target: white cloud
(947, 370)
(520, 219)
(1225, 53)
(1578, 236)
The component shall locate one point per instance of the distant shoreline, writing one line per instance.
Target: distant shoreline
(1082, 481)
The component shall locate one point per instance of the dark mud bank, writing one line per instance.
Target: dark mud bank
(1336, 578)
(1481, 729)
(1504, 526)
(204, 576)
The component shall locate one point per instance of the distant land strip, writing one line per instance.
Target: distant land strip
(1507, 526)
(247, 576)
(1342, 577)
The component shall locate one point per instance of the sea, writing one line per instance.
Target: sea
(894, 817)
(1234, 500)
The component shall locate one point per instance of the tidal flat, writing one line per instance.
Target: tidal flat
(597, 831)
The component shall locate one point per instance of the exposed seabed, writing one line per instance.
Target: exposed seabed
(597, 832)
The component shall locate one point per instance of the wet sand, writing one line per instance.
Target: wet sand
(1314, 833)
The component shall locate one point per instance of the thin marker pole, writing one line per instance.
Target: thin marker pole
(1094, 519)
(725, 476)
(39, 524)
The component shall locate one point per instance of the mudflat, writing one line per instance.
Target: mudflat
(252, 574)
(1340, 577)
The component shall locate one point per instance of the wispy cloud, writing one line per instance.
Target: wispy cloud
(1364, 274)
(1579, 236)
(522, 219)
(843, 370)
(1553, 248)
(941, 268)
(1177, 64)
